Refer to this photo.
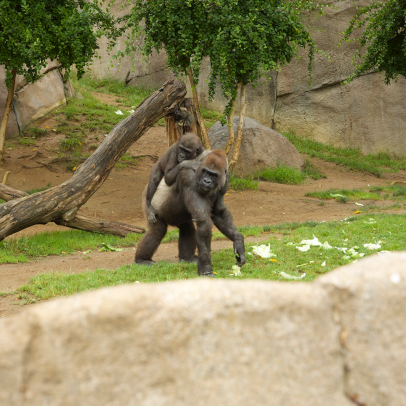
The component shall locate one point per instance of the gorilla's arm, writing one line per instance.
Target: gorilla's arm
(172, 174)
(172, 168)
(223, 220)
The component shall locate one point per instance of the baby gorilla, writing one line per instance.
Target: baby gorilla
(168, 165)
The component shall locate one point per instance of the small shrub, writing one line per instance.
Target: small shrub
(248, 183)
(282, 174)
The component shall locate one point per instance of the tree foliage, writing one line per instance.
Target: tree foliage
(252, 38)
(242, 38)
(176, 26)
(382, 42)
(32, 31)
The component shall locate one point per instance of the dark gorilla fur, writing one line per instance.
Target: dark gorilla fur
(188, 147)
(197, 196)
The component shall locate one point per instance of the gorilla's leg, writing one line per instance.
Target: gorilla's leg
(150, 242)
(203, 238)
(187, 242)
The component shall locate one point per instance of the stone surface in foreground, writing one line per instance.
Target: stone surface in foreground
(216, 342)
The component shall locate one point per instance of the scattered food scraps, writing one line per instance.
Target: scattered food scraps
(287, 276)
(108, 247)
(371, 246)
(237, 270)
(264, 251)
(304, 248)
(120, 113)
(315, 241)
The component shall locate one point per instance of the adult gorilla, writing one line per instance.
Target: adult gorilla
(197, 196)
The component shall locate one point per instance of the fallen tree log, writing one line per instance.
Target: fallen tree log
(80, 222)
(61, 203)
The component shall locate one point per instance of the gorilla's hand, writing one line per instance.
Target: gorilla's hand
(189, 164)
(151, 214)
(239, 251)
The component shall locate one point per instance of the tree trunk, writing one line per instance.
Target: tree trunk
(95, 225)
(7, 109)
(171, 130)
(198, 117)
(243, 105)
(188, 105)
(230, 119)
(61, 203)
(80, 222)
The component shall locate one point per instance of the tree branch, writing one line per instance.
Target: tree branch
(61, 203)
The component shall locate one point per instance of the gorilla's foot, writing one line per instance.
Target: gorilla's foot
(147, 262)
(192, 259)
(208, 275)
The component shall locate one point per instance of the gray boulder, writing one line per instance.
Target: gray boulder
(37, 99)
(261, 147)
(33, 100)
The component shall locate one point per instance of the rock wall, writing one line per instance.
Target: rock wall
(336, 341)
(365, 114)
(33, 100)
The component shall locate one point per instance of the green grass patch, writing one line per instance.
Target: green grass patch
(58, 243)
(311, 171)
(351, 158)
(210, 117)
(129, 96)
(248, 183)
(346, 237)
(282, 174)
(391, 192)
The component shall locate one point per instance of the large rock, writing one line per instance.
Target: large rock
(187, 343)
(216, 342)
(261, 147)
(34, 100)
(369, 299)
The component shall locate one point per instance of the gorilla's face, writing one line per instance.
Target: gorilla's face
(208, 180)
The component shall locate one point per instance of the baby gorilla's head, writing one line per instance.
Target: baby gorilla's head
(190, 147)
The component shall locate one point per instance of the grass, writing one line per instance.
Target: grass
(351, 234)
(58, 243)
(87, 115)
(282, 174)
(353, 159)
(67, 242)
(390, 192)
(248, 183)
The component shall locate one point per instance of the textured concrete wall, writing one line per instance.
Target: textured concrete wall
(216, 342)
(366, 114)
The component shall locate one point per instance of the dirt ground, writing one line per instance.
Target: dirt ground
(119, 198)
